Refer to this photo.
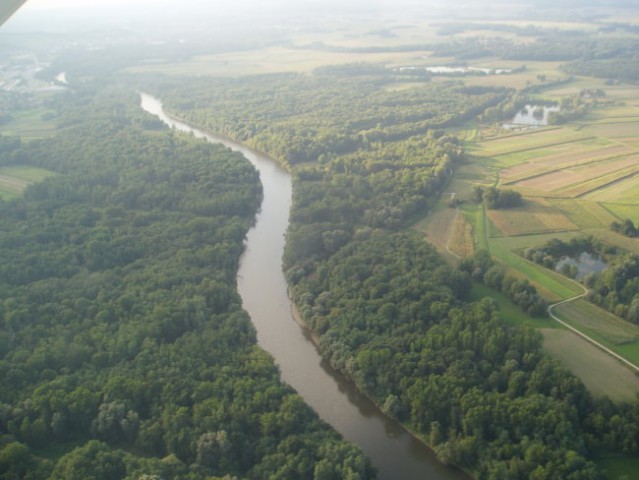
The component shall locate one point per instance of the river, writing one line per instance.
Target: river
(262, 286)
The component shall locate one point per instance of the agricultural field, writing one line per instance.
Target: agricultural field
(609, 328)
(575, 179)
(437, 228)
(29, 124)
(460, 241)
(270, 60)
(14, 179)
(623, 211)
(537, 215)
(511, 143)
(585, 214)
(601, 373)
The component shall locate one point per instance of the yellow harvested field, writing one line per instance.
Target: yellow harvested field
(601, 373)
(546, 137)
(619, 130)
(581, 178)
(437, 227)
(537, 165)
(536, 216)
(461, 241)
(583, 213)
(625, 176)
(552, 181)
(270, 60)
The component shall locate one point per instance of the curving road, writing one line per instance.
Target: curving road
(583, 335)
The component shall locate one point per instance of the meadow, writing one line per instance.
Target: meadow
(14, 179)
(30, 124)
(600, 372)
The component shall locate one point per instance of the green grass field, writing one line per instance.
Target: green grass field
(623, 211)
(618, 335)
(585, 214)
(619, 468)
(594, 319)
(543, 138)
(476, 217)
(510, 313)
(29, 124)
(14, 179)
(551, 284)
(602, 374)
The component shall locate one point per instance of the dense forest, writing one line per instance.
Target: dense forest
(301, 118)
(124, 351)
(389, 313)
(123, 346)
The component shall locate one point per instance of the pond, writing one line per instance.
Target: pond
(459, 70)
(582, 265)
(531, 116)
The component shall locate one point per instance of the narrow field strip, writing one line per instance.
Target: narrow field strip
(522, 134)
(579, 189)
(13, 183)
(626, 362)
(541, 169)
(585, 214)
(540, 146)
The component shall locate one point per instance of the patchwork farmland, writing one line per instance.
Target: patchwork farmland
(574, 179)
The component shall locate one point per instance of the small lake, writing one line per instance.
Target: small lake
(445, 70)
(531, 116)
(585, 263)
(62, 78)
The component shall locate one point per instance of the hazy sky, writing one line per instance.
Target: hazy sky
(55, 15)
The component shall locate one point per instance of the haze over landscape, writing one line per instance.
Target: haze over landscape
(319, 239)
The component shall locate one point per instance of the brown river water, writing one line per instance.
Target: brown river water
(393, 451)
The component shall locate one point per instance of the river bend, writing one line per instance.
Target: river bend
(262, 286)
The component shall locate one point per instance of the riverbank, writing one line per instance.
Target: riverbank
(227, 140)
(394, 451)
(297, 316)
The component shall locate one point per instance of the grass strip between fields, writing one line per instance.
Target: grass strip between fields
(593, 337)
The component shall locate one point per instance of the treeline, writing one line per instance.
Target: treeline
(393, 316)
(557, 46)
(496, 198)
(298, 118)
(617, 287)
(124, 350)
(624, 68)
(482, 268)
(389, 313)
(625, 228)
